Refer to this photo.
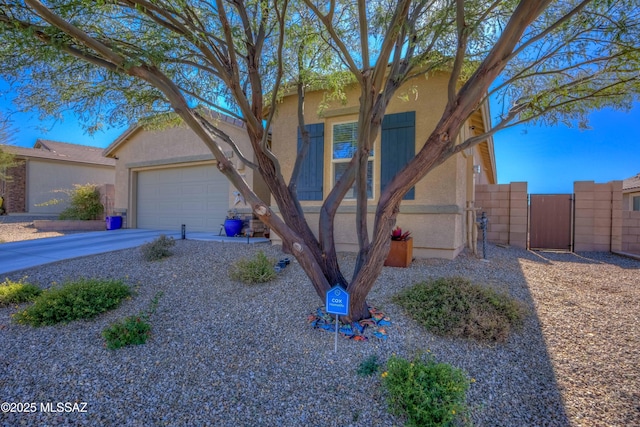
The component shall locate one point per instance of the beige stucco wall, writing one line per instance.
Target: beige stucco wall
(179, 146)
(436, 217)
(44, 177)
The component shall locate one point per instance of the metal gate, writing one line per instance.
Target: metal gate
(550, 221)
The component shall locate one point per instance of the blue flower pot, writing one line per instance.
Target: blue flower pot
(232, 227)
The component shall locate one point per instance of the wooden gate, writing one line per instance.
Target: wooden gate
(550, 221)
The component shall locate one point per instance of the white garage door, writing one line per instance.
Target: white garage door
(197, 196)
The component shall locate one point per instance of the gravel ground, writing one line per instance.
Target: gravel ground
(14, 228)
(228, 354)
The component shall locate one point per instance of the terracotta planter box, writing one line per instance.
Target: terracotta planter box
(401, 253)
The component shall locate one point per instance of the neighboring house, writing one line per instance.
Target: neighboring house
(434, 211)
(631, 193)
(168, 178)
(50, 166)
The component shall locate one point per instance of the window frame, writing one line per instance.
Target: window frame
(334, 161)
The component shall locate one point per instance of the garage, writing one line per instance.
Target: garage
(197, 196)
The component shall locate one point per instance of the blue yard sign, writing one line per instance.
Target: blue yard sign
(337, 301)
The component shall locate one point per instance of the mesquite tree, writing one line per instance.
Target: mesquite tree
(113, 61)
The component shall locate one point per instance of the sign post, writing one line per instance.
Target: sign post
(337, 302)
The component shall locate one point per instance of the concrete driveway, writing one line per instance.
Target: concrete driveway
(32, 253)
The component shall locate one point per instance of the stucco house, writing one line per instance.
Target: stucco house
(434, 211)
(166, 178)
(631, 193)
(49, 166)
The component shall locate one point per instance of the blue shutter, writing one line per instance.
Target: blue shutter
(312, 171)
(398, 146)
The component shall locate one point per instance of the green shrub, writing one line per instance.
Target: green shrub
(17, 292)
(253, 270)
(368, 366)
(426, 392)
(84, 203)
(132, 330)
(456, 307)
(158, 249)
(82, 299)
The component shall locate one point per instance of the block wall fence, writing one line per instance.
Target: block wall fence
(598, 216)
(506, 206)
(600, 223)
(631, 232)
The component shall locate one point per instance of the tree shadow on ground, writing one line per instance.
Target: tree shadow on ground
(514, 383)
(586, 258)
(577, 344)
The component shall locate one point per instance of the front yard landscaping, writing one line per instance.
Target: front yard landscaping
(245, 355)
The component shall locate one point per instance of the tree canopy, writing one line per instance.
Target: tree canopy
(118, 61)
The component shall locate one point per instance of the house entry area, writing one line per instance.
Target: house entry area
(551, 221)
(197, 196)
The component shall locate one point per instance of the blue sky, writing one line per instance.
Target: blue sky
(550, 159)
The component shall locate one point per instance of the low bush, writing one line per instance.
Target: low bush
(425, 392)
(132, 330)
(368, 366)
(81, 299)
(158, 249)
(456, 307)
(17, 292)
(253, 270)
(84, 203)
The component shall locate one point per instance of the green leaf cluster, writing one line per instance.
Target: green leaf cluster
(79, 299)
(12, 292)
(258, 269)
(426, 392)
(132, 330)
(455, 307)
(368, 366)
(84, 203)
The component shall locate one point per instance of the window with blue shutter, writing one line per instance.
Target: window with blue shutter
(398, 146)
(311, 173)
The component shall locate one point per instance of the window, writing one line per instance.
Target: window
(344, 145)
(636, 203)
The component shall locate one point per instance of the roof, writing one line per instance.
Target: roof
(480, 120)
(133, 129)
(62, 151)
(631, 184)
